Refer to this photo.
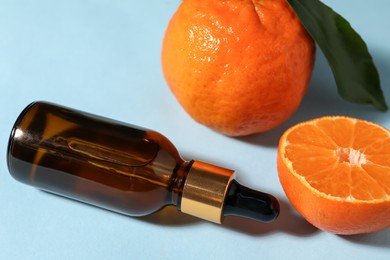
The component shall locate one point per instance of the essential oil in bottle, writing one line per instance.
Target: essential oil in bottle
(123, 168)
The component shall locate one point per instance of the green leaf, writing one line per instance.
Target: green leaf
(354, 71)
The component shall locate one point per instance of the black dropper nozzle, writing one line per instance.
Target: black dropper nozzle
(244, 202)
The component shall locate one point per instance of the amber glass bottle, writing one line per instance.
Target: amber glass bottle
(123, 168)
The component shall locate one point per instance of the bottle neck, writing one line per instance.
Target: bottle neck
(178, 180)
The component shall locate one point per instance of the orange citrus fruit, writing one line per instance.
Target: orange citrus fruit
(336, 172)
(239, 66)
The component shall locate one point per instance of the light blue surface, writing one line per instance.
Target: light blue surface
(104, 57)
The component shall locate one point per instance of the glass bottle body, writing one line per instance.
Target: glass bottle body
(96, 160)
(123, 168)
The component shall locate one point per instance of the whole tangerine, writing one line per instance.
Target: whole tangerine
(239, 67)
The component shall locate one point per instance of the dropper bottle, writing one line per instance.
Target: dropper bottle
(123, 168)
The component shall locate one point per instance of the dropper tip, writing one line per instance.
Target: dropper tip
(244, 202)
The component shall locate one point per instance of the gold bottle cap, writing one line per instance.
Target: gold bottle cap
(205, 190)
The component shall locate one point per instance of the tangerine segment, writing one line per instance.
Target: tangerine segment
(336, 173)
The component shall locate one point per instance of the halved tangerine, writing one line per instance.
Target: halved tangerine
(336, 172)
